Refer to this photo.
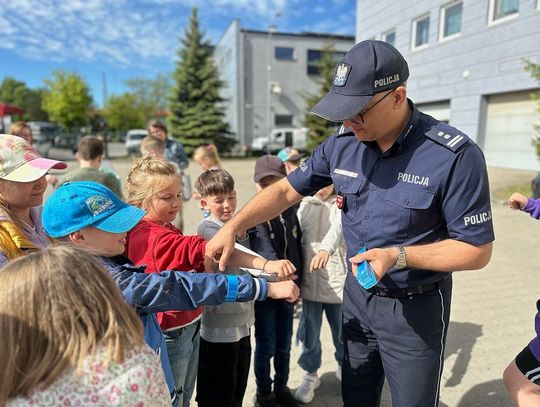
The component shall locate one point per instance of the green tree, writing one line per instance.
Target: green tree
(17, 93)
(534, 71)
(67, 99)
(13, 91)
(123, 112)
(318, 128)
(197, 112)
(152, 94)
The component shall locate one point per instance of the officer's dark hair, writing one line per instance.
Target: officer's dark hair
(90, 148)
(214, 182)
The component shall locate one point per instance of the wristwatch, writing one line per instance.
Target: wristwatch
(401, 261)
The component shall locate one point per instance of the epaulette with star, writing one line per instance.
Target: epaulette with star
(447, 136)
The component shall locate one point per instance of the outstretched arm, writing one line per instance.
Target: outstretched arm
(266, 205)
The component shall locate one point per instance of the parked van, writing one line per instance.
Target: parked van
(133, 140)
(281, 138)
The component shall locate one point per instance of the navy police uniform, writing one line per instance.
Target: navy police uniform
(429, 186)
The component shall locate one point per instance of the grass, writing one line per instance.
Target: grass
(504, 193)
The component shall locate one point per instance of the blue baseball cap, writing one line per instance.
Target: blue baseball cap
(370, 67)
(76, 205)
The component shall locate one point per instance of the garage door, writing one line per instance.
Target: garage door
(509, 130)
(439, 110)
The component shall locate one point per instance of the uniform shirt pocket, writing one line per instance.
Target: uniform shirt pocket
(409, 212)
(348, 187)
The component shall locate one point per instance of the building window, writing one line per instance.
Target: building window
(390, 37)
(451, 21)
(502, 10)
(284, 53)
(314, 58)
(283, 120)
(420, 33)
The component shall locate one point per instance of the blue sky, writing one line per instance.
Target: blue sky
(120, 39)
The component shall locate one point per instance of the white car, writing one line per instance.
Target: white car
(133, 140)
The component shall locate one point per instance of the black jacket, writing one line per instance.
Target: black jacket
(280, 238)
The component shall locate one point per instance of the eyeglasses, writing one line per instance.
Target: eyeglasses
(361, 114)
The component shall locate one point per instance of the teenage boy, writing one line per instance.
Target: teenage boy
(279, 238)
(91, 217)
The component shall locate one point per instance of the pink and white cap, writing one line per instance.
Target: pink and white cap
(19, 161)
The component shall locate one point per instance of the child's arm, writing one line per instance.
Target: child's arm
(181, 291)
(521, 202)
(329, 244)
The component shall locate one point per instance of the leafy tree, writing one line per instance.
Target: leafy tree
(534, 71)
(151, 93)
(318, 128)
(67, 99)
(197, 113)
(13, 91)
(123, 112)
(17, 93)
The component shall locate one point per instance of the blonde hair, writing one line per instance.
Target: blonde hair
(57, 306)
(148, 177)
(207, 152)
(152, 145)
(17, 128)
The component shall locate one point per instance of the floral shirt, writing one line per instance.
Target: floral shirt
(138, 381)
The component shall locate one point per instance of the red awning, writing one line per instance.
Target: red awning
(6, 109)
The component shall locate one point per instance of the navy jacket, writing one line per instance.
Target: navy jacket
(280, 238)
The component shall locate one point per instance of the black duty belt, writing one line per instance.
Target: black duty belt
(407, 292)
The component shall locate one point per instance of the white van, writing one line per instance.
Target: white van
(281, 138)
(133, 140)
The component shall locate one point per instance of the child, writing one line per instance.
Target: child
(207, 157)
(152, 147)
(22, 184)
(322, 291)
(521, 377)
(22, 130)
(291, 157)
(90, 155)
(51, 355)
(154, 185)
(91, 217)
(225, 346)
(279, 238)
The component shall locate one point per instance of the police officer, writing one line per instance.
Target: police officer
(414, 192)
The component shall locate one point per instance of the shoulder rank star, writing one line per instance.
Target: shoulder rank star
(340, 200)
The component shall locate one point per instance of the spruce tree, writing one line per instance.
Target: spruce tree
(197, 114)
(318, 128)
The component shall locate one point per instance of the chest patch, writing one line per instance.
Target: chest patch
(413, 179)
(346, 173)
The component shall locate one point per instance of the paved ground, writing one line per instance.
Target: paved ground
(492, 309)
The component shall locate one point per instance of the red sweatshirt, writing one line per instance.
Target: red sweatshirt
(164, 247)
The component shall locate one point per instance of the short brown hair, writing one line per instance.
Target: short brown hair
(90, 148)
(157, 124)
(214, 182)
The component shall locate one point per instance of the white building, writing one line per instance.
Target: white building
(466, 63)
(266, 75)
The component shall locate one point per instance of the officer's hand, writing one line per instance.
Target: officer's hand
(319, 261)
(517, 201)
(380, 260)
(219, 249)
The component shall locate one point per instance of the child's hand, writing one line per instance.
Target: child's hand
(282, 268)
(286, 290)
(517, 201)
(319, 261)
